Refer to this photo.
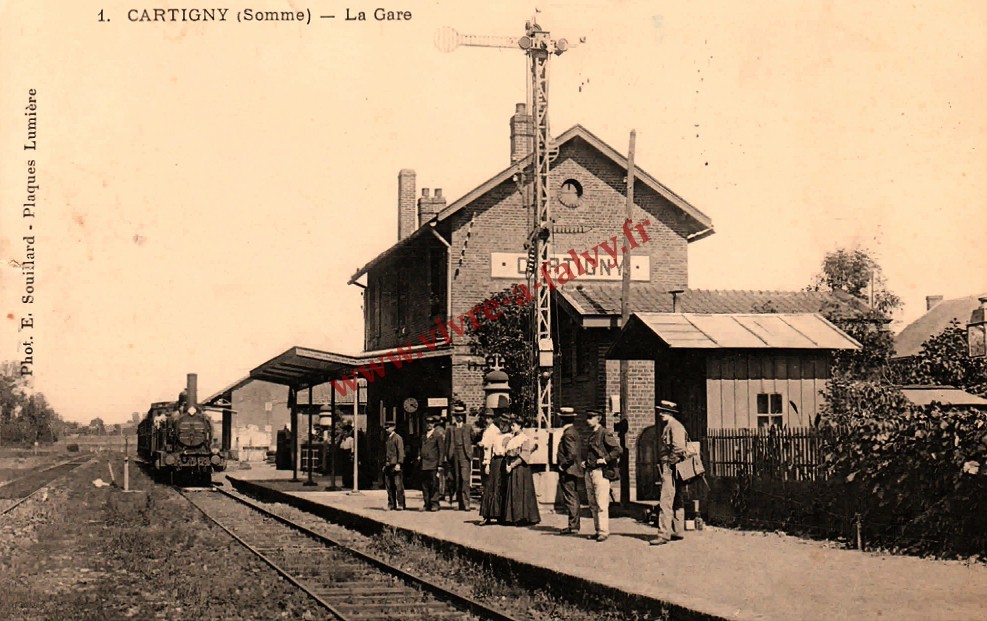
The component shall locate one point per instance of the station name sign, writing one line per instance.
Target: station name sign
(511, 265)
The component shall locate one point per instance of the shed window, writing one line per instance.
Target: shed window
(769, 410)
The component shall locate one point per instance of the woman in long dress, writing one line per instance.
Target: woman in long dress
(520, 501)
(491, 502)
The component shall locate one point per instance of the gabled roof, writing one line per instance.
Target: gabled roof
(909, 341)
(225, 392)
(702, 225)
(648, 333)
(598, 305)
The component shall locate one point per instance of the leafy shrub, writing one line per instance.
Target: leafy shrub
(916, 475)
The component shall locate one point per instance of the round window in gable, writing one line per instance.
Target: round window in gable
(571, 193)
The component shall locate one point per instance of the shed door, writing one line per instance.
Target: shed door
(647, 459)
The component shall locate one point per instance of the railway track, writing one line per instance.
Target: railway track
(21, 489)
(346, 583)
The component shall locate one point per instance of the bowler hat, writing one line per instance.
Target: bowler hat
(592, 413)
(567, 413)
(459, 408)
(667, 406)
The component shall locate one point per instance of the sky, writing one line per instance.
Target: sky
(207, 189)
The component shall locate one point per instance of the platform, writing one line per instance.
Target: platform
(717, 572)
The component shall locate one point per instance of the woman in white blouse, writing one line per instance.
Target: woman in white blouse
(520, 505)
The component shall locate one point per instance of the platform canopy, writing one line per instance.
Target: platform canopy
(300, 367)
(648, 333)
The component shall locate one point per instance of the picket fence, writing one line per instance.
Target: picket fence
(782, 454)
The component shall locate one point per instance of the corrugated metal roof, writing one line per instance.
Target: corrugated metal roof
(946, 395)
(745, 331)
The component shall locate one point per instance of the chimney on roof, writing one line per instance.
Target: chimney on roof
(931, 301)
(406, 203)
(429, 206)
(522, 133)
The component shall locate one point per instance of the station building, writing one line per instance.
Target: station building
(731, 358)
(450, 258)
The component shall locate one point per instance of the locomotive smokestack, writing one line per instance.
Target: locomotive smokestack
(191, 387)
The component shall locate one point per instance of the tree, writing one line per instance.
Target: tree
(865, 317)
(25, 417)
(945, 360)
(510, 337)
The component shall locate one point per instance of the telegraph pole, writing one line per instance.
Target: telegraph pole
(625, 315)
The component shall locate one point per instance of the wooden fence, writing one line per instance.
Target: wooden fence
(781, 454)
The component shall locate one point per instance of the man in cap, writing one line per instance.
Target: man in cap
(602, 458)
(431, 456)
(393, 476)
(459, 451)
(569, 457)
(671, 450)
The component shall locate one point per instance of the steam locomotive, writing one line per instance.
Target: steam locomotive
(176, 441)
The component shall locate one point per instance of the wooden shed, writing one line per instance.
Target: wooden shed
(736, 370)
(731, 371)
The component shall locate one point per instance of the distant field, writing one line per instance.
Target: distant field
(97, 442)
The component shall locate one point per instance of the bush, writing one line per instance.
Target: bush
(916, 475)
(72, 448)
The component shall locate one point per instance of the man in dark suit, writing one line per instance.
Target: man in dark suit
(393, 476)
(459, 450)
(569, 458)
(431, 457)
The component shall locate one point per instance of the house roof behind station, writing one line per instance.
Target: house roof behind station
(909, 341)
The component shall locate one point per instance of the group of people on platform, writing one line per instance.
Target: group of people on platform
(445, 466)
(444, 462)
(508, 487)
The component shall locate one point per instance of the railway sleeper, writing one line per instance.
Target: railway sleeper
(406, 614)
(365, 592)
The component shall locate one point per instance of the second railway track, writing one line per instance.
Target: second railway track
(346, 583)
(23, 488)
